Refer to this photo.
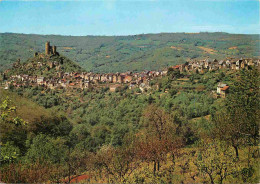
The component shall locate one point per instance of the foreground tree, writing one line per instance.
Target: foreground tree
(238, 122)
(115, 164)
(158, 138)
(12, 132)
(216, 161)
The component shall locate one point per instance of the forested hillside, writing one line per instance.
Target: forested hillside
(134, 53)
(175, 132)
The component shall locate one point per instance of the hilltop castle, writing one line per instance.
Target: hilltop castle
(50, 50)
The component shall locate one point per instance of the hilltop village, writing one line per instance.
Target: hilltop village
(61, 79)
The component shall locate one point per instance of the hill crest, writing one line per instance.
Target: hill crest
(106, 54)
(47, 64)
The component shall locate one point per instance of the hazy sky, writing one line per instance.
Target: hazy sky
(127, 17)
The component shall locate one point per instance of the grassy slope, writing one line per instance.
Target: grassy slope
(136, 53)
(25, 108)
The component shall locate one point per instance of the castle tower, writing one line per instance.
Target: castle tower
(54, 49)
(47, 48)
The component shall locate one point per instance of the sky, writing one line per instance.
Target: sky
(128, 17)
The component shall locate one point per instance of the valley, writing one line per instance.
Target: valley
(168, 125)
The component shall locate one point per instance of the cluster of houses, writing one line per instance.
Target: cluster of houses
(87, 80)
(214, 64)
(83, 80)
(75, 80)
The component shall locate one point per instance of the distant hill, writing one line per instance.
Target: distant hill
(130, 53)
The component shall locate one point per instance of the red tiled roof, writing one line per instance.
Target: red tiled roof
(176, 67)
(224, 88)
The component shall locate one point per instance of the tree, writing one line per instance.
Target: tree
(244, 103)
(12, 127)
(174, 73)
(238, 122)
(7, 113)
(116, 163)
(216, 160)
(45, 148)
(9, 153)
(158, 138)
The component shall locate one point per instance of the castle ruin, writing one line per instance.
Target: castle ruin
(50, 50)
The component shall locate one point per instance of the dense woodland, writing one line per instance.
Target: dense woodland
(175, 132)
(130, 53)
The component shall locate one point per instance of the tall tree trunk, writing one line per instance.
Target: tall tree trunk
(236, 150)
(69, 166)
(248, 156)
(154, 168)
(221, 180)
(173, 158)
(211, 179)
(158, 165)
(173, 161)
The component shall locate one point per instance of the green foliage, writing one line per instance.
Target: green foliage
(219, 165)
(9, 153)
(45, 148)
(118, 134)
(238, 122)
(178, 133)
(243, 102)
(6, 111)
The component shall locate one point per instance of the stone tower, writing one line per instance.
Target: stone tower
(54, 49)
(47, 48)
